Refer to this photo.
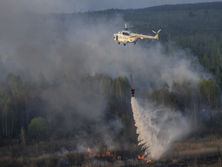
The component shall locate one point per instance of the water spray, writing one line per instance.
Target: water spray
(157, 127)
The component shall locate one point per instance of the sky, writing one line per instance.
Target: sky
(69, 6)
(123, 4)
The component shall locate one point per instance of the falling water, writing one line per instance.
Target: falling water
(158, 128)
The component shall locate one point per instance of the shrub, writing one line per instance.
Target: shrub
(38, 129)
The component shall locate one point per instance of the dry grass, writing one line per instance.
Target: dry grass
(193, 147)
(192, 152)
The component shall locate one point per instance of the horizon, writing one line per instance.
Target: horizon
(163, 5)
(141, 4)
(75, 6)
(189, 2)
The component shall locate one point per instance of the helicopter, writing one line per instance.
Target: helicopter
(128, 37)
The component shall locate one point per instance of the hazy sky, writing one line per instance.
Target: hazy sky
(104, 4)
(69, 6)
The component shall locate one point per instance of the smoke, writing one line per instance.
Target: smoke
(64, 49)
(158, 128)
(37, 45)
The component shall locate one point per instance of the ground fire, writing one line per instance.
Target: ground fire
(115, 156)
(144, 158)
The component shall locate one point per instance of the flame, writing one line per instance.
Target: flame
(119, 157)
(144, 158)
(89, 150)
(108, 154)
(140, 157)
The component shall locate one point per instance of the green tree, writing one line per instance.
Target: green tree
(210, 92)
(121, 87)
(38, 128)
(14, 115)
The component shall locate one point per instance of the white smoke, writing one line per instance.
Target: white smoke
(39, 46)
(158, 128)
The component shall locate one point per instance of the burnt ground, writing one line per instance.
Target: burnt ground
(200, 152)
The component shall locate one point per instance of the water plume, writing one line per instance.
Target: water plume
(158, 128)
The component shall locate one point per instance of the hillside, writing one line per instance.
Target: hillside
(191, 26)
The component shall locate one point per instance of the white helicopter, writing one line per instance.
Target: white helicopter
(128, 37)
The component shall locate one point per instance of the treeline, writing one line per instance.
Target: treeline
(201, 103)
(25, 116)
(205, 96)
(19, 104)
(194, 26)
(191, 26)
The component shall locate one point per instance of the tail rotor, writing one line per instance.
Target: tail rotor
(156, 34)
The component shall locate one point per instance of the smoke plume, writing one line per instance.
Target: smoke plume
(64, 49)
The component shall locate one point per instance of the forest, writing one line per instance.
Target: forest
(28, 121)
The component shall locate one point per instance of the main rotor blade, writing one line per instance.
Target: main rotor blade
(158, 31)
(154, 31)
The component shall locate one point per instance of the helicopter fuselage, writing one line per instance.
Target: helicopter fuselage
(128, 37)
(125, 37)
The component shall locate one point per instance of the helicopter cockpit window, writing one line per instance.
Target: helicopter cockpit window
(125, 33)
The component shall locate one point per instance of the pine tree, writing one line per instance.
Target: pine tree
(22, 136)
